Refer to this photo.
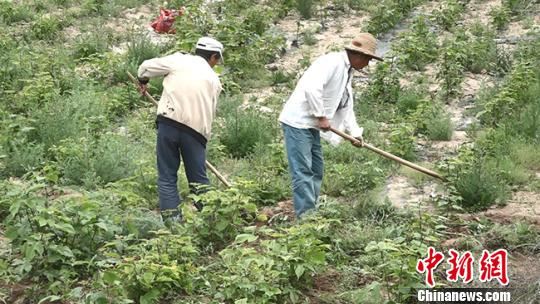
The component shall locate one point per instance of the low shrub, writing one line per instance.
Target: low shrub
(439, 127)
(11, 12)
(244, 129)
(418, 47)
(270, 270)
(478, 181)
(500, 17)
(402, 141)
(223, 217)
(91, 162)
(305, 8)
(81, 113)
(449, 14)
(45, 28)
(383, 85)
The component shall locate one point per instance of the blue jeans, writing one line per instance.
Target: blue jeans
(171, 143)
(305, 165)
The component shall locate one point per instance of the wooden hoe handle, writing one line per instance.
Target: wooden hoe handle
(389, 155)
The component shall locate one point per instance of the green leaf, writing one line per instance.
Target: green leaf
(222, 225)
(11, 233)
(110, 277)
(299, 271)
(241, 238)
(103, 226)
(49, 299)
(148, 278)
(150, 297)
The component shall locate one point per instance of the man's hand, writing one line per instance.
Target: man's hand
(359, 142)
(143, 88)
(323, 123)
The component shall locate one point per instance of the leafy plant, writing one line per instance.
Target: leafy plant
(451, 68)
(270, 272)
(153, 268)
(224, 215)
(477, 182)
(509, 99)
(448, 14)
(11, 12)
(55, 240)
(402, 141)
(46, 28)
(386, 15)
(481, 50)
(419, 46)
(244, 129)
(500, 17)
(383, 85)
(305, 8)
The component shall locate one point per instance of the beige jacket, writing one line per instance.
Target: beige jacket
(190, 89)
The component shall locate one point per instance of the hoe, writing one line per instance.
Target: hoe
(389, 155)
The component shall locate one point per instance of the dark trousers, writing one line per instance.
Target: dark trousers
(172, 145)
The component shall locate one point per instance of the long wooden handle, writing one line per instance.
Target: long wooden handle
(218, 175)
(208, 164)
(136, 82)
(389, 155)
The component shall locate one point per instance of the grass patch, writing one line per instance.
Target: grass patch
(440, 127)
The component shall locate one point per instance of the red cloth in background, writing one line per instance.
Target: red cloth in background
(165, 21)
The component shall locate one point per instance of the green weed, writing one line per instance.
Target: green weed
(244, 129)
(419, 46)
(309, 38)
(481, 50)
(519, 236)
(478, 182)
(402, 141)
(451, 68)
(383, 85)
(439, 127)
(448, 14)
(11, 12)
(46, 28)
(500, 17)
(409, 100)
(305, 8)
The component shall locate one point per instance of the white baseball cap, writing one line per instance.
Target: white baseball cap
(210, 44)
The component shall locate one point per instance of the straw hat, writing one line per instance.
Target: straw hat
(364, 43)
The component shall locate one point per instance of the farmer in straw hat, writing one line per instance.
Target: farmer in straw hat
(322, 98)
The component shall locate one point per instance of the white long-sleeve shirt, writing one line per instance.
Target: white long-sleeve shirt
(319, 93)
(190, 89)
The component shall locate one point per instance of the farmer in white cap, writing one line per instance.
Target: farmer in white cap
(322, 98)
(184, 118)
